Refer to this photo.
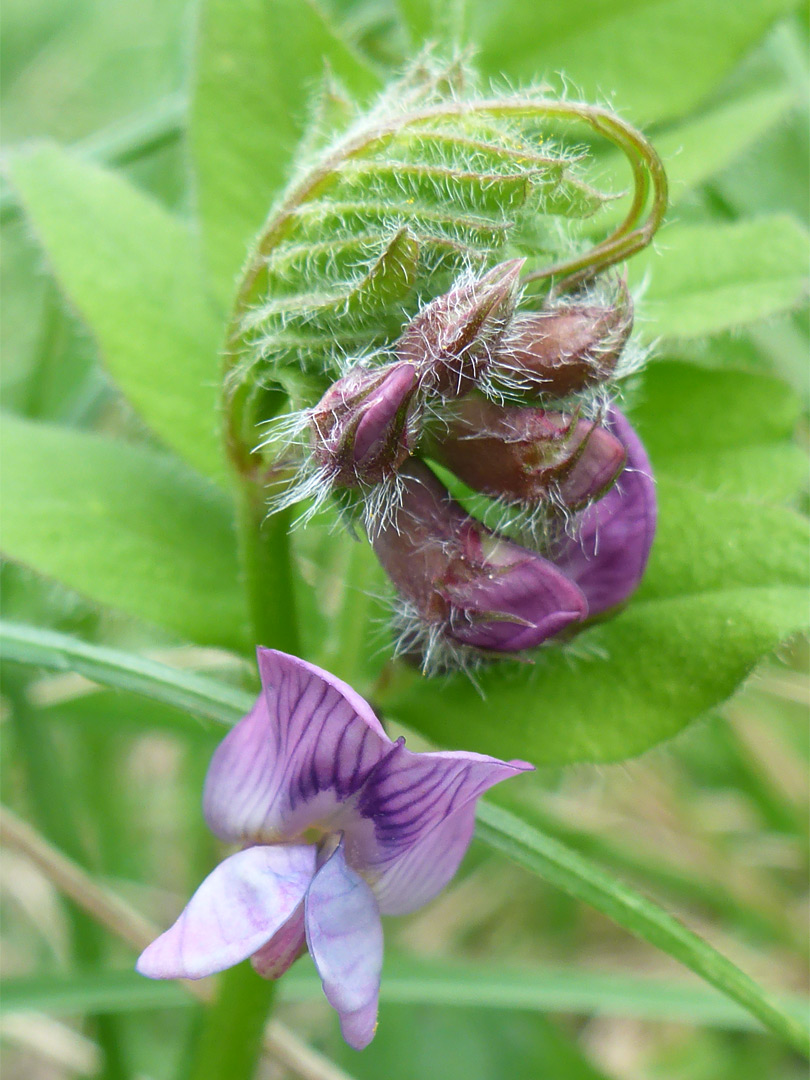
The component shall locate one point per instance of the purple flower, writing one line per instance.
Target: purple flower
(338, 825)
(608, 556)
(464, 582)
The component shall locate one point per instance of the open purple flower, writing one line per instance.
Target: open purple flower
(338, 825)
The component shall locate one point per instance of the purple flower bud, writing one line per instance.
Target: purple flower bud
(451, 340)
(360, 427)
(529, 455)
(608, 557)
(565, 349)
(475, 587)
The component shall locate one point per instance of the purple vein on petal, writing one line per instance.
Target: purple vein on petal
(304, 749)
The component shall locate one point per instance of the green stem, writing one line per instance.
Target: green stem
(230, 1042)
(265, 556)
(348, 636)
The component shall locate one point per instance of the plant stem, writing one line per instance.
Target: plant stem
(264, 547)
(230, 1042)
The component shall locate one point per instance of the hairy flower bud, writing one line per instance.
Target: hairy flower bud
(473, 586)
(563, 350)
(608, 556)
(359, 429)
(528, 455)
(452, 339)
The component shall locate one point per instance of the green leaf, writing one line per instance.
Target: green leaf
(726, 581)
(575, 875)
(195, 694)
(540, 854)
(93, 711)
(428, 187)
(99, 991)
(656, 60)
(440, 21)
(465, 1044)
(701, 279)
(132, 272)
(702, 146)
(258, 64)
(628, 685)
(408, 981)
(124, 526)
(728, 432)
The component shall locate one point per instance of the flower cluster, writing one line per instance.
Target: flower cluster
(336, 825)
(518, 407)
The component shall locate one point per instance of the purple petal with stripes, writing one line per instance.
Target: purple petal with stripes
(237, 909)
(422, 807)
(305, 748)
(608, 557)
(345, 940)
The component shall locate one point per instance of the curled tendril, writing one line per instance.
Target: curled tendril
(635, 232)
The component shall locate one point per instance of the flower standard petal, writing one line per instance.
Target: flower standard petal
(422, 807)
(345, 940)
(306, 747)
(608, 557)
(239, 907)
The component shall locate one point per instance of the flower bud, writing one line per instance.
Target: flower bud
(528, 455)
(359, 430)
(475, 587)
(451, 339)
(609, 553)
(563, 350)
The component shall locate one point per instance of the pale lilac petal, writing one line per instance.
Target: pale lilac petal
(283, 948)
(420, 808)
(306, 747)
(239, 907)
(422, 870)
(345, 940)
(609, 555)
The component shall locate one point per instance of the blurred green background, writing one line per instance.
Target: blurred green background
(713, 824)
